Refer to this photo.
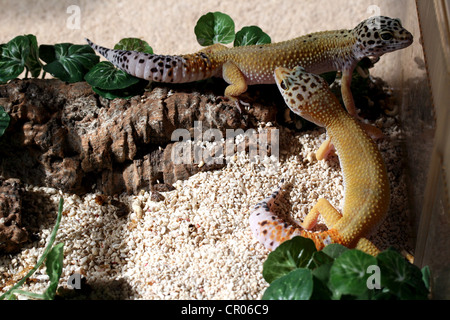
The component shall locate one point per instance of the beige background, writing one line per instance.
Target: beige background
(168, 25)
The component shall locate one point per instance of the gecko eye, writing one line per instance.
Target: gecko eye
(386, 35)
(283, 85)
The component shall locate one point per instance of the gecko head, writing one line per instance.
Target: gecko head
(303, 92)
(379, 35)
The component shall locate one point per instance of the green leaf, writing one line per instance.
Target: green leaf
(133, 44)
(402, 278)
(426, 276)
(321, 266)
(334, 250)
(4, 120)
(125, 93)
(54, 264)
(348, 275)
(8, 294)
(252, 35)
(290, 255)
(296, 285)
(18, 54)
(214, 27)
(320, 258)
(47, 53)
(320, 288)
(32, 62)
(107, 77)
(68, 62)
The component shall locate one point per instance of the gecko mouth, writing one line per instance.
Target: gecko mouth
(280, 74)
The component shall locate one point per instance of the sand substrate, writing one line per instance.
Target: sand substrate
(196, 244)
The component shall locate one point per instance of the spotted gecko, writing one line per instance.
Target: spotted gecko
(319, 52)
(366, 192)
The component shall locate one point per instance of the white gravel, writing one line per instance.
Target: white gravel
(196, 244)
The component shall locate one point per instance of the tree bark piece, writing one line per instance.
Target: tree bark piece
(67, 137)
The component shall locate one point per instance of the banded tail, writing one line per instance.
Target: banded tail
(160, 68)
(271, 230)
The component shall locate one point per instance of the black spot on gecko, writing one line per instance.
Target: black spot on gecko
(263, 223)
(141, 61)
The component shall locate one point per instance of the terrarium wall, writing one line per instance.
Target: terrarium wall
(171, 30)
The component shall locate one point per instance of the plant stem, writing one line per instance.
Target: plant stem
(44, 255)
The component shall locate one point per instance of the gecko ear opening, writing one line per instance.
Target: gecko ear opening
(283, 85)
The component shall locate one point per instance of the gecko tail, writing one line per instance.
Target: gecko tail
(159, 68)
(271, 229)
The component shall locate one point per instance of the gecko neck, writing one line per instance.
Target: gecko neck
(335, 49)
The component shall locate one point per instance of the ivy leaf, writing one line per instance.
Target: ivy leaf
(334, 250)
(54, 264)
(401, 277)
(214, 27)
(18, 54)
(133, 44)
(288, 256)
(32, 62)
(4, 120)
(348, 275)
(426, 276)
(110, 82)
(125, 93)
(321, 265)
(106, 76)
(252, 35)
(68, 62)
(296, 285)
